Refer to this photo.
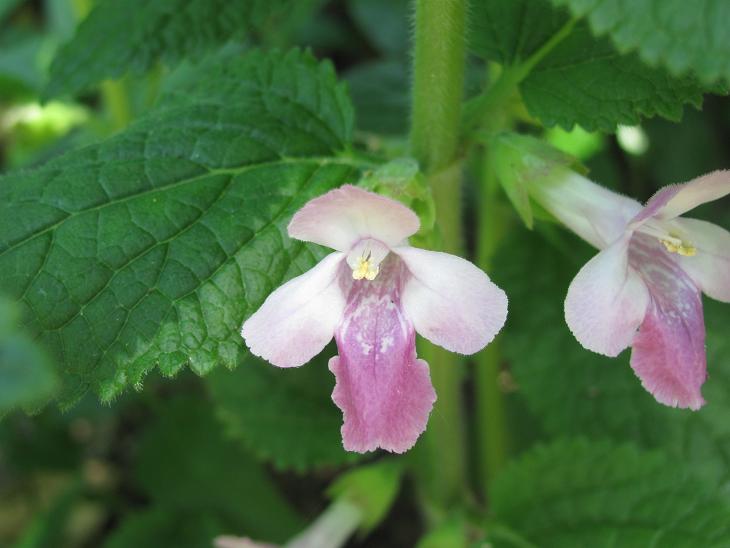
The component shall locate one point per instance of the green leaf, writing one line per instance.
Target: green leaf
(285, 416)
(572, 391)
(585, 81)
(385, 23)
(186, 465)
(133, 35)
(683, 36)
(579, 79)
(451, 533)
(27, 377)
(576, 494)
(21, 75)
(150, 249)
(158, 527)
(510, 31)
(381, 96)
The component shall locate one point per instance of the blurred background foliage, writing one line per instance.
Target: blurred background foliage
(252, 451)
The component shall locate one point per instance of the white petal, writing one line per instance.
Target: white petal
(593, 212)
(710, 267)
(297, 320)
(450, 301)
(606, 301)
(346, 215)
(674, 200)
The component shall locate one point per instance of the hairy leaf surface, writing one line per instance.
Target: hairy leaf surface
(576, 494)
(133, 35)
(580, 79)
(683, 36)
(151, 248)
(285, 416)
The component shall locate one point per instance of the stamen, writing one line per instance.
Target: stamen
(671, 241)
(365, 269)
(365, 258)
(679, 246)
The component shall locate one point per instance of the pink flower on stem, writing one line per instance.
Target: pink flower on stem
(373, 294)
(644, 288)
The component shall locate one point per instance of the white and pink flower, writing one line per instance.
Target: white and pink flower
(644, 287)
(373, 294)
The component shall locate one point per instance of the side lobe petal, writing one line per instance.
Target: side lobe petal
(669, 350)
(710, 266)
(606, 301)
(346, 215)
(298, 319)
(450, 301)
(385, 393)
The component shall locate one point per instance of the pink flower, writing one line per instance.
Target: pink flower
(372, 294)
(649, 276)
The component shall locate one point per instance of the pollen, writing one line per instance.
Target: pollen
(679, 246)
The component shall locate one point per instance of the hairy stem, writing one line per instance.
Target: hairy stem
(438, 81)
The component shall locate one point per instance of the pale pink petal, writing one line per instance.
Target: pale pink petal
(710, 266)
(346, 215)
(606, 301)
(669, 350)
(593, 212)
(298, 320)
(450, 301)
(674, 200)
(385, 393)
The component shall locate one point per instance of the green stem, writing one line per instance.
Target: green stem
(492, 437)
(547, 47)
(491, 112)
(116, 101)
(438, 78)
(444, 470)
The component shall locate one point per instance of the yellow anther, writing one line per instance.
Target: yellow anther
(676, 245)
(365, 269)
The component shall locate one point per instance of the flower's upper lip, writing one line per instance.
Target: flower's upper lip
(344, 216)
(671, 201)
